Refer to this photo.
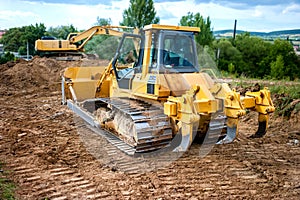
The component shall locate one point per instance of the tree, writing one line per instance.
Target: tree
(291, 62)
(139, 14)
(255, 57)
(231, 68)
(103, 21)
(16, 39)
(102, 45)
(255, 52)
(205, 37)
(228, 55)
(4, 58)
(61, 32)
(277, 68)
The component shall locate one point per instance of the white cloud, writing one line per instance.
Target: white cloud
(13, 18)
(293, 8)
(258, 12)
(222, 14)
(9, 14)
(252, 18)
(55, 14)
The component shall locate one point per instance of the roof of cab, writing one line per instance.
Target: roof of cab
(170, 27)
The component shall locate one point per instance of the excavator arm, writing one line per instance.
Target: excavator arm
(96, 30)
(77, 42)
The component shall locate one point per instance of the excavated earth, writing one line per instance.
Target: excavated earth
(50, 154)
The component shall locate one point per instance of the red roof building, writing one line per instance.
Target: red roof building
(2, 32)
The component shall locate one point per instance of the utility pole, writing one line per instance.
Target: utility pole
(234, 29)
(27, 50)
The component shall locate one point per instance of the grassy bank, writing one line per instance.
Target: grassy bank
(285, 94)
(7, 187)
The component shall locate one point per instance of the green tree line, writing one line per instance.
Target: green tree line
(254, 57)
(246, 55)
(17, 39)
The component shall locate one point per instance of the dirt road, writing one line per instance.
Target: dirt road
(42, 148)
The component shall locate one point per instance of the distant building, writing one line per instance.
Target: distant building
(297, 50)
(2, 32)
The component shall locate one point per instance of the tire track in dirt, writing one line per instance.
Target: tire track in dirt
(42, 157)
(48, 159)
(57, 182)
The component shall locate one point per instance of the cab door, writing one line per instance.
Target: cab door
(127, 59)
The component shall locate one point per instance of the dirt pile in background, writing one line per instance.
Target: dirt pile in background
(38, 73)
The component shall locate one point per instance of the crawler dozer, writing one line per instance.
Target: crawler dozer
(162, 100)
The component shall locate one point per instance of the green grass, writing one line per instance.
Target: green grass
(292, 91)
(283, 92)
(290, 88)
(7, 187)
(286, 93)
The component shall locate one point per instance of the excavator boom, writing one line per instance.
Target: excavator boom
(75, 42)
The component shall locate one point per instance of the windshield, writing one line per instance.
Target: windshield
(177, 52)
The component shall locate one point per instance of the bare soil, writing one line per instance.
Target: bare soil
(46, 157)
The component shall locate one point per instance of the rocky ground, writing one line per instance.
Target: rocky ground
(48, 154)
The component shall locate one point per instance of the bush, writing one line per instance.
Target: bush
(6, 57)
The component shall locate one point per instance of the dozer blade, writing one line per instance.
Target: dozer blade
(232, 129)
(262, 126)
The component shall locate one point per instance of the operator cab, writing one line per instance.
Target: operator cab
(158, 50)
(173, 52)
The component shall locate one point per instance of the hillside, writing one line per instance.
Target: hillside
(281, 33)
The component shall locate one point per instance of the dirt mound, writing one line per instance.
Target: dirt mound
(40, 72)
(8, 65)
(242, 90)
(286, 105)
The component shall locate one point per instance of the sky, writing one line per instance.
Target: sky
(251, 15)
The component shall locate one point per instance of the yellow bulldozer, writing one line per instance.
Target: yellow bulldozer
(161, 98)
